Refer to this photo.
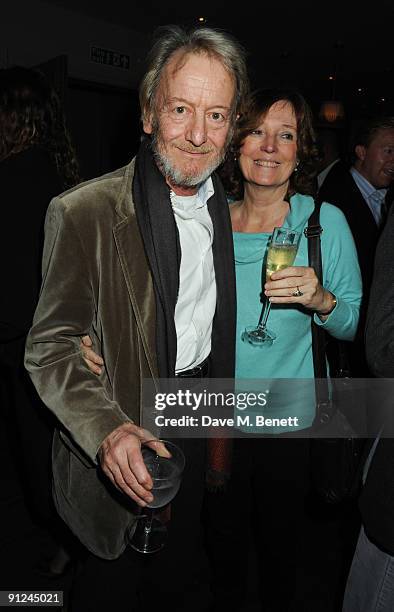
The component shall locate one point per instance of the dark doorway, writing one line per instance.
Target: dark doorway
(104, 124)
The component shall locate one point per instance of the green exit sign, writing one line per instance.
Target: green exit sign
(108, 57)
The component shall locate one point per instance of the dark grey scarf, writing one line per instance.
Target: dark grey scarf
(159, 232)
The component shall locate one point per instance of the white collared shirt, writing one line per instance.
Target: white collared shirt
(196, 304)
(372, 196)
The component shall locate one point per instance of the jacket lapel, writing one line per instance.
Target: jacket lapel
(139, 284)
(136, 270)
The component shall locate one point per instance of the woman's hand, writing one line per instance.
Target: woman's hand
(299, 285)
(93, 360)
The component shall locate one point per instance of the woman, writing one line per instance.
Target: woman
(275, 154)
(37, 162)
(270, 178)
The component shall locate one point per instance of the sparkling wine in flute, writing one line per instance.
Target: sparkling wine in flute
(281, 254)
(279, 257)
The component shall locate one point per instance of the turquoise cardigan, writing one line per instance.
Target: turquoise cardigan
(290, 356)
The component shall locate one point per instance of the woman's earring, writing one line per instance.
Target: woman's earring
(296, 166)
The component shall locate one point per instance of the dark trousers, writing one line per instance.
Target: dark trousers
(268, 503)
(175, 578)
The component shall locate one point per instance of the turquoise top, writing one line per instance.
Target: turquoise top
(290, 356)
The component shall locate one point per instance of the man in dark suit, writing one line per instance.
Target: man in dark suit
(359, 191)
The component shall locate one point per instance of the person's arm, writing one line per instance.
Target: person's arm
(64, 313)
(380, 319)
(79, 398)
(341, 274)
(336, 304)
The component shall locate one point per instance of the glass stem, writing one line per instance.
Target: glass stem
(149, 520)
(262, 324)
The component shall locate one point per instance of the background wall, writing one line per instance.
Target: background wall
(321, 50)
(33, 31)
(101, 101)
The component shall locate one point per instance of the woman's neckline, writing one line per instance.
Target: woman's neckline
(262, 232)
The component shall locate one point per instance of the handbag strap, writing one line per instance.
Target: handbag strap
(324, 407)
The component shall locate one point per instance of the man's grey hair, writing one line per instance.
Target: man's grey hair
(214, 43)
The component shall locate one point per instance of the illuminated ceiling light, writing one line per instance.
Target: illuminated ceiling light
(331, 111)
(201, 19)
(383, 99)
(359, 89)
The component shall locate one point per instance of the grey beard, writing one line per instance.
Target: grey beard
(177, 177)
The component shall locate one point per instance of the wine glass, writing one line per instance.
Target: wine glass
(281, 254)
(166, 473)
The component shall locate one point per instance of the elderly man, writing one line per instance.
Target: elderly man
(141, 260)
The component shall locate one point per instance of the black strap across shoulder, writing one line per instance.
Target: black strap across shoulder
(324, 407)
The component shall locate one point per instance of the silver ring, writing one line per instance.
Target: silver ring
(297, 293)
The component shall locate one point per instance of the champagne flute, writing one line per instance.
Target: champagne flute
(166, 473)
(281, 254)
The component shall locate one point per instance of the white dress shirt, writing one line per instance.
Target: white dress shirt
(372, 196)
(196, 304)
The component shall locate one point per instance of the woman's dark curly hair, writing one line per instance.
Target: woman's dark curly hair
(307, 153)
(31, 114)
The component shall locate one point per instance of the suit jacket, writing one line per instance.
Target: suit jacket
(339, 188)
(97, 281)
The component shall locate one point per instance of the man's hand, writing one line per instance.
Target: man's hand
(121, 460)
